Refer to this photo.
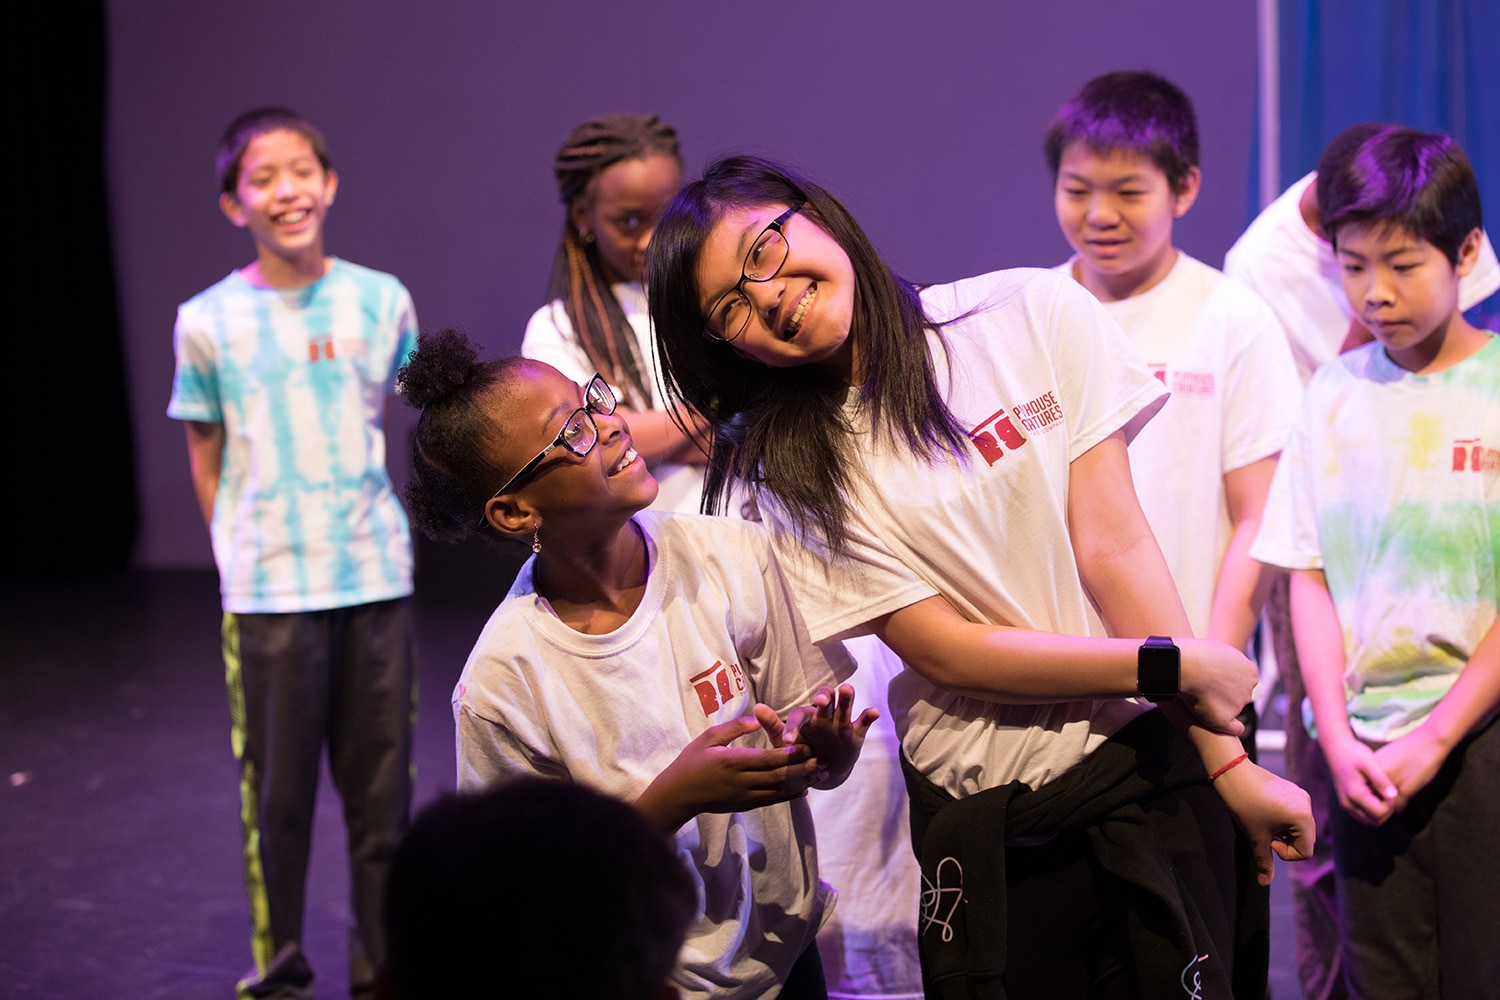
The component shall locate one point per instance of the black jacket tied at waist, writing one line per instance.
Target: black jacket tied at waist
(959, 844)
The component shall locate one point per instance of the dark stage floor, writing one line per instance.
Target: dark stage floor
(119, 843)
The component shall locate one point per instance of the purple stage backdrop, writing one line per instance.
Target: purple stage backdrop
(924, 117)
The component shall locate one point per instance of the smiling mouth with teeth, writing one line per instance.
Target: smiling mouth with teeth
(625, 460)
(795, 323)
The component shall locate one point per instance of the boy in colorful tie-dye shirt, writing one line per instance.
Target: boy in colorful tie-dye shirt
(283, 370)
(1386, 507)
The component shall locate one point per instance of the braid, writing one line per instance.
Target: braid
(607, 140)
(600, 323)
(578, 278)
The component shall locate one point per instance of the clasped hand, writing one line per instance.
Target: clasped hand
(815, 747)
(1375, 783)
(1217, 683)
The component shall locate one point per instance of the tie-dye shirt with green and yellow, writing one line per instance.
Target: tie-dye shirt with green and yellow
(1390, 483)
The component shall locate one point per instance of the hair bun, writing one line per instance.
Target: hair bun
(442, 363)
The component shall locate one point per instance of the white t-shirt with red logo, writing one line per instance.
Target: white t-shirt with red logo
(1235, 391)
(714, 634)
(1039, 374)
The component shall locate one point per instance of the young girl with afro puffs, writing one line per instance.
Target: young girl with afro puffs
(652, 656)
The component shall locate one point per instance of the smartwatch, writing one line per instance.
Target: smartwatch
(1158, 669)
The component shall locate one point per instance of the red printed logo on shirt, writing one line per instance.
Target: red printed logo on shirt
(320, 349)
(994, 434)
(326, 348)
(1471, 456)
(717, 686)
(1191, 383)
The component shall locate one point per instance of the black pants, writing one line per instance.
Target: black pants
(343, 678)
(1419, 896)
(805, 980)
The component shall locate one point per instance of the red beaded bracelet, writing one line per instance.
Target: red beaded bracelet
(1237, 761)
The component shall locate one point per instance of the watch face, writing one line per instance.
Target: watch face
(1159, 670)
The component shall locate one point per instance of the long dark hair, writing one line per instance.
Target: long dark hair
(785, 430)
(578, 278)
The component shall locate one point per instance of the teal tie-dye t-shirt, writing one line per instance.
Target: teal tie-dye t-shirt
(1390, 483)
(305, 517)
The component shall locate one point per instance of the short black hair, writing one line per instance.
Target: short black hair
(1420, 182)
(535, 888)
(259, 121)
(1131, 110)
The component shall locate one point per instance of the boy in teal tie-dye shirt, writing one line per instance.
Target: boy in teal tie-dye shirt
(1386, 507)
(283, 370)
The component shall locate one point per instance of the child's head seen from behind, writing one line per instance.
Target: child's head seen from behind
(276, 182)
(564, 891)
(1124, 159)
(1402, 211)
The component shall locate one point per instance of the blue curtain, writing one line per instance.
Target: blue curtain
(1429, 64)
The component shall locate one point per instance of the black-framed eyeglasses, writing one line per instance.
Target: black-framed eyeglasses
(731, 311)
(579, 432)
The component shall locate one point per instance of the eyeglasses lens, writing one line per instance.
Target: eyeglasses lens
(598, 396)
(766, 256)
(580, 433)
(761, 264)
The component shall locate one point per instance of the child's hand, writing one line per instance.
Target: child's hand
(1274, 813)
(709, 775)
(1410, 763)
(1365, 790)
(1217, 682)
(826, 728)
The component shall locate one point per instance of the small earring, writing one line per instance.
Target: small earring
(586, 236)
(536, 539)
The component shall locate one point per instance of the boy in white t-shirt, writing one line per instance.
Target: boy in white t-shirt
(1124, 159)
(1384, 508)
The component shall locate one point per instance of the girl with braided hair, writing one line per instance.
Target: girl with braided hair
(615, 174)
(647, 654)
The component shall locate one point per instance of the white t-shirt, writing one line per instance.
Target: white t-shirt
(1040, 374)
(864, 819)
(869, 944)
(714, 634)
(1298, 275)
(1390, 483)
(550, 338)
(1235, 391)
